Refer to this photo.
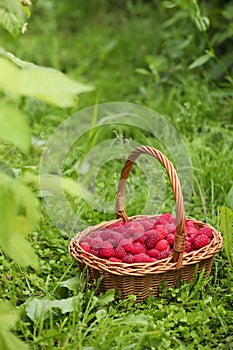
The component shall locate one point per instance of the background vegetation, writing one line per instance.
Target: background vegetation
(172, 56)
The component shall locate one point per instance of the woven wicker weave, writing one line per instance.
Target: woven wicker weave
(143, 279)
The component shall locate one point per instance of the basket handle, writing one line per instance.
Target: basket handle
(180, 237)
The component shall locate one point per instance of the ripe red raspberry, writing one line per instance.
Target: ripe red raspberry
(162, 231)
(113, 259)
(147, 223)
(141, 258)
(206, 231)
(86, 246)
(95, 251)
(163, 219)
(164, 254)
(140, 237)
(116, 239)
(107, 234)
(188, 247)
(171, 239)
(133, 227)
(135, 248)
(171, 228)
(96, 242)
(115, 224)
(107, 250)
(162, 245)
(120, 253)
(172, 220)
(189, 223)
(87, 239)
(125, 242)
(201, 241)
(129, 259)
(192, 233)
(96, 234)
(121, 229)
(153, 253)
(152, 238)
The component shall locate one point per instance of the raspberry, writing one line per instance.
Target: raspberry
(141, 258)
(95, 251)
(134, 227)
(164, 254)
(162, 245)
(96, 242)
(107, 234)
(163, 219)
(192, 233)
(87, 239)
(140, 237)
(113, 259)
(85, 246)
(121, 229)
(147, 223)
(188, 247)
(171, 239)
(107, 250)
(171, 228)
(152, 238)
(135, 248)
(116, 239)
(162, 231)
(125, 242)
(201, 241)
(97, 234)
(129, 258)
(206, 231)
(120, 253)
(115, 224)
(153, 253)
(189, 223)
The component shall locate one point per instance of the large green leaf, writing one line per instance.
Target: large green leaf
(8, 317)
(13, 127)
(50, 86)
(19, 216)
(226, 225)
(44, 83)
(13, 16)
(36, 308)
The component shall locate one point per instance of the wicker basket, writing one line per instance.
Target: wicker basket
(143, 279)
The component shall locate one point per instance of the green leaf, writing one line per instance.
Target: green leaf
(107, 297)
(13, 127)
(9, 78)
(52, 184)
(200, 61)
(71, 283)
(16, 60)
(13, 16)
(226, 225)
(43, 83)
(51, 86)
(8, 318)
(37, 309)
(19, 216)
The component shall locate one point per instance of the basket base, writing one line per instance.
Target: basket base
(143, 286)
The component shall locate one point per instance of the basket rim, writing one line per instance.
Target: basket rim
(139, 269)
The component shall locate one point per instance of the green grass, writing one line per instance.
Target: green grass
(105, 45)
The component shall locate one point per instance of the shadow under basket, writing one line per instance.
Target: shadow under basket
(143, 279)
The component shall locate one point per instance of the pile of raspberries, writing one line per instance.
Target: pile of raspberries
(143, 240)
